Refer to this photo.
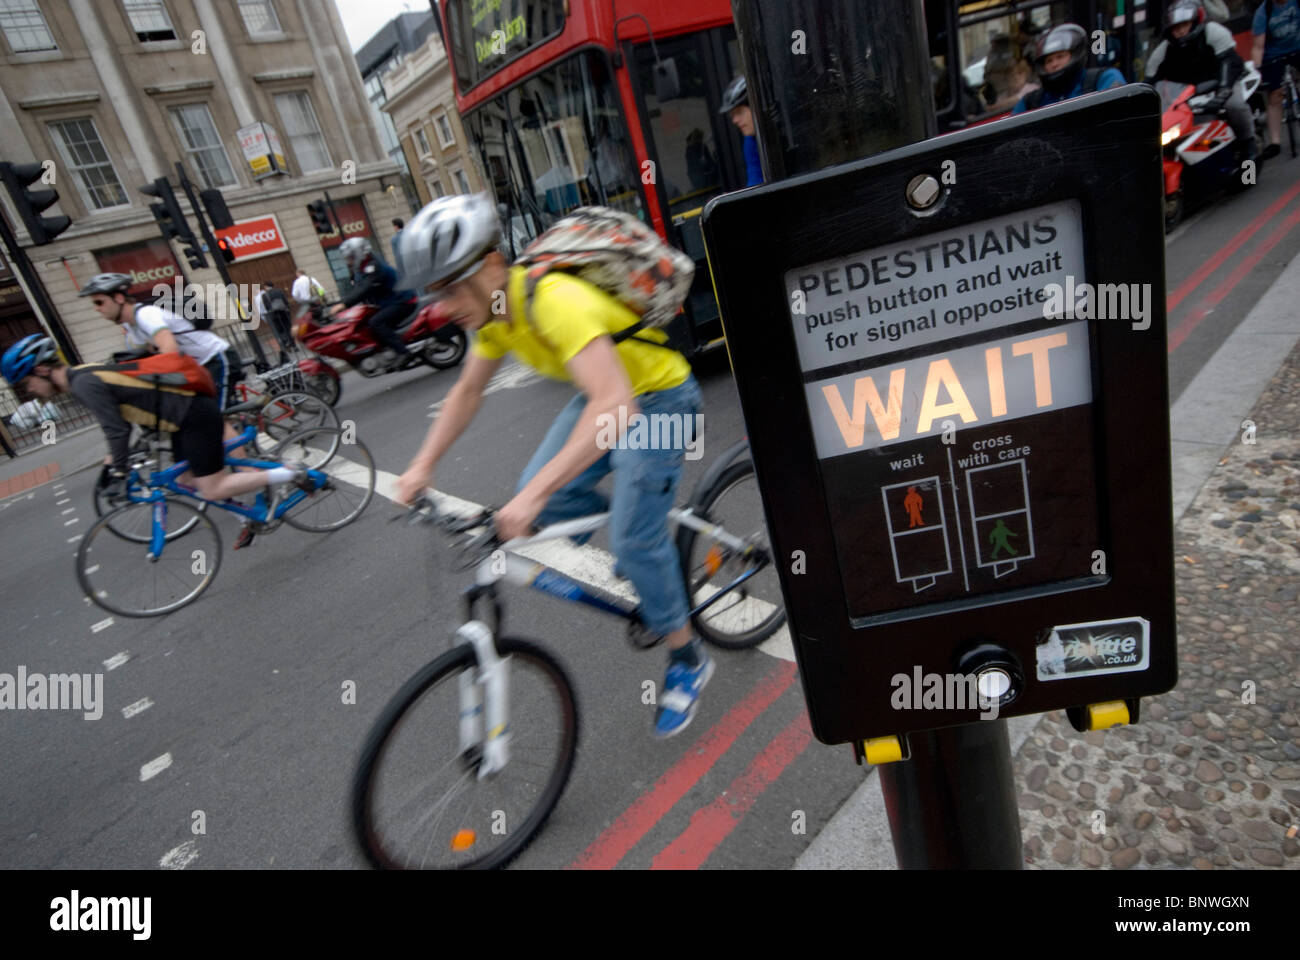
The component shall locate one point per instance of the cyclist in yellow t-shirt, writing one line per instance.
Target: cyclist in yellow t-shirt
(451, 246)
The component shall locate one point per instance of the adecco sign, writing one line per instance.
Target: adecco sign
(147, 263)
(259, 237)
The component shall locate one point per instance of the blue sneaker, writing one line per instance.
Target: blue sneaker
(682, 686)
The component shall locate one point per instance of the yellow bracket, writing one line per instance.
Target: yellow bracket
(880, 750)
(1112, 713)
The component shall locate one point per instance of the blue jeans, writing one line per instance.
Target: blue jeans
(645, 487)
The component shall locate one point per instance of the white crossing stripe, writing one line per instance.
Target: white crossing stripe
(140, 706)
(180, 857)
(107, 622)
(68, 523)
(116, 660)
(155, 767)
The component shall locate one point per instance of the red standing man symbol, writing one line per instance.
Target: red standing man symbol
(912, 504)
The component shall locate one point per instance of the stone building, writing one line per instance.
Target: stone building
(260, 99)
(422, 103)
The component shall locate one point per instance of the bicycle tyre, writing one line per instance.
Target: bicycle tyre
(101, 598)
(687, 541)
(346, 472)
(103, 507)
(293, 411)
(449, 665)
(326, 387)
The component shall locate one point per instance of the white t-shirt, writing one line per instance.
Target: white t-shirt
(202, 345)
(304, 289)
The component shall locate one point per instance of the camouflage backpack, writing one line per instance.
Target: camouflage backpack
(619, 254)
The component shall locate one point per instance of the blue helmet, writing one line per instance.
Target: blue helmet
(24, 356)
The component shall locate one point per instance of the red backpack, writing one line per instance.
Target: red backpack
(170, 370)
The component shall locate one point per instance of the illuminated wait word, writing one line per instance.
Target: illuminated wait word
(998, 380)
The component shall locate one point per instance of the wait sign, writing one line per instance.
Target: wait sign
(956, 395)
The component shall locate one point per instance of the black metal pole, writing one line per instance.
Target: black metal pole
(832, 81)
(36, 290)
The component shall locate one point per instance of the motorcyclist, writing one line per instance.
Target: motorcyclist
(374, 282)
(1060, 57)
(1195, 50)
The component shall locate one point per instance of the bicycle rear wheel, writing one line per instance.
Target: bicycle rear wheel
(752, 610)
(417, 802)
(350, 485)
(117, 573)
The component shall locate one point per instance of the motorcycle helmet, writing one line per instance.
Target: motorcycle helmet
(25, 356)
(1185, 11)
(736, 95)
(1063, 38)
(109, 283)
(446, 238)
(354, 251)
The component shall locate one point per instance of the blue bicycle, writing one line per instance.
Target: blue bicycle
(156, 553)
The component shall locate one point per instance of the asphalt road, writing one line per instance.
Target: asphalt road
(238, 717)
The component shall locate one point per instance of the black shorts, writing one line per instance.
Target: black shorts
(1270, 71)
(227, 370)
(199, 438)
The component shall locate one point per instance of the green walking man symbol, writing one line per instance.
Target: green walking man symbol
(998, 537)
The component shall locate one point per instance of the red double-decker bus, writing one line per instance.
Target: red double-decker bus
(615, 102)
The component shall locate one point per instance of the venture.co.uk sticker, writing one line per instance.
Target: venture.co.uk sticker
(1085, 649)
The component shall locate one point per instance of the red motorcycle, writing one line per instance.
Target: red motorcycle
(427, 332)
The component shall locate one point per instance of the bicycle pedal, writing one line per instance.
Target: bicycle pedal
(641, 638)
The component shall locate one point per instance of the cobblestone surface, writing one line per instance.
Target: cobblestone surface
(1210, 777)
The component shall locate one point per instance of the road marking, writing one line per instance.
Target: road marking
(712, 824)
(63, 501)
(587, 564)
(116, 660)
(180, 857)
(73, 539)
(697, 760)
(107, 622)
(68, 523)
(515, 375)
(140, 706)
(64, 513)
(155, 767)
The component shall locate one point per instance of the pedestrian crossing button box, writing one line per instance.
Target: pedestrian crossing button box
(959, 418)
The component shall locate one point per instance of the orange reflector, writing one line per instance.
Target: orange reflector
(713, 559)
(463, 840)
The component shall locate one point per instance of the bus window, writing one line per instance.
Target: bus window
(556, 142)
(994, 40)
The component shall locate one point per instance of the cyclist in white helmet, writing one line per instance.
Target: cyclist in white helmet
(451, 246)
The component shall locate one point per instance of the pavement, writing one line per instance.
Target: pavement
(1210, 776)
(69, 454)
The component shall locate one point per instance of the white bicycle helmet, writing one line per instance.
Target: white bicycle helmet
(446, 238)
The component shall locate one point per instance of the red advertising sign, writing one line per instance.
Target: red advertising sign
(352, 214)
(258, 237)
(148, 264)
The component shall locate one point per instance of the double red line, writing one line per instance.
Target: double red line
(1220, 293)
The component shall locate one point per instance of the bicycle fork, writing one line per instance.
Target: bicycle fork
(484, 701)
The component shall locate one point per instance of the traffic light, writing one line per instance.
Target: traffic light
(224, 248)
(167, 211)
(29, 203)
(320, 216)
(193, 251)
(215, 204)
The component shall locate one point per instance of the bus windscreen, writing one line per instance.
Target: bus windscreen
(485, 35)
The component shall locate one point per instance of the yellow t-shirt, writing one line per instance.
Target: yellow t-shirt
(567, 314)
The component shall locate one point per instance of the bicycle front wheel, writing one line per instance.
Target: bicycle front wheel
(104, 506)
(350, 485)
(752, 609)
(119, 573)
(417, 800)
(285, 414)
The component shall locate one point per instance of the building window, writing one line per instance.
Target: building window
(375, 89)
(462, 181)
(85, 155)
(422, 142)
(149, 20)
(25, 27)
(435, 188)
(200, 140)
(303, 131)
(259, 17)
(444, 131)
